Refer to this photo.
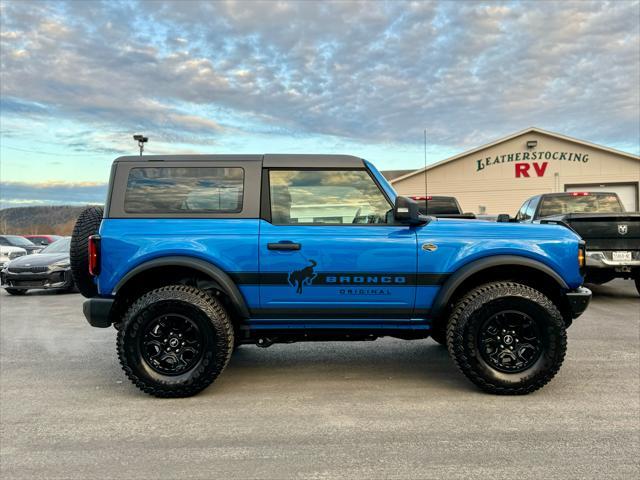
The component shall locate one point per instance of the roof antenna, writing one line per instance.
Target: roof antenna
(426, 194)
(142, 140)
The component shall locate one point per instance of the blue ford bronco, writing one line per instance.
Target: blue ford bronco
(195, 255)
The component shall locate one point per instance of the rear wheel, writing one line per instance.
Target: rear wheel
(87, 224)
(507, 338)
(175, 341)
(16, 291)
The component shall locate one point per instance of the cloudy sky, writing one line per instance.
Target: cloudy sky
(78, 78)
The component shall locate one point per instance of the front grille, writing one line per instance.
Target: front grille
(28, 283)
(612, 243)
(28, 269)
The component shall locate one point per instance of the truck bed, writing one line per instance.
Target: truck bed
(605, 231)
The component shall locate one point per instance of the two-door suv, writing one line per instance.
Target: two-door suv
(195, 255)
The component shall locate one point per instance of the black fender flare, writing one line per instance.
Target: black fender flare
(216, 273)
(456, 279)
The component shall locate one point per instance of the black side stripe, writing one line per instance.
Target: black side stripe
(337, 279)
(432, 278)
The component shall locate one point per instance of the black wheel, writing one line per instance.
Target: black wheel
(16, 291)
(439, 335)
(507, 338)
(175, 341)
(87, 224)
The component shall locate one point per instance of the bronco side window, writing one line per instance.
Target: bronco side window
(326, 197)
(184, 190)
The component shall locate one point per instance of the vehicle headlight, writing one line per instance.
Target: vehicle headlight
(4, 258)
(60, 264)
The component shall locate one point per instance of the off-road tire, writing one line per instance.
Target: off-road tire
(16, 291)
(211, 319)
(87, 224)
(472, 310)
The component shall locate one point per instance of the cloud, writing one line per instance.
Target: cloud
(18, 194)
(197, 73)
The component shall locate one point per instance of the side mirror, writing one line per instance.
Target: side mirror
(407, 211)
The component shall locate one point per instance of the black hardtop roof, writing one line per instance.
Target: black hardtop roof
(268, 160)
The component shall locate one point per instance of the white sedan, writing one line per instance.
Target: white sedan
(8, 253)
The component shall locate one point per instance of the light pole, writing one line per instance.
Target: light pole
(141, 141)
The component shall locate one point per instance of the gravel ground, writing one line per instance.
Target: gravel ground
(384, 409)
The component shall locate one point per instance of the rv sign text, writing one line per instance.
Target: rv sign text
(535, 168)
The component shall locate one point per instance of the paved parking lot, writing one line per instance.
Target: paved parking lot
(384, 409)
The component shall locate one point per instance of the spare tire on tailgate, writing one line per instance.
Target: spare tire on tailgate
(87, 224)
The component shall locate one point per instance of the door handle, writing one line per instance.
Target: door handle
(284, 245)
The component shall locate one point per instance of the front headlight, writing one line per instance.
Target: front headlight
(4, 259)
(60, 264)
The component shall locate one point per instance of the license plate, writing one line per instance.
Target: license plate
(622, 256)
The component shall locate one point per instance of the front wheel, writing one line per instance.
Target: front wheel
(507, 338)
(175, 341)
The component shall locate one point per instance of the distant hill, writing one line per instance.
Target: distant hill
(58, 220)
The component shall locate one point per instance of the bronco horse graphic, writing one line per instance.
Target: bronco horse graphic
(304, 276)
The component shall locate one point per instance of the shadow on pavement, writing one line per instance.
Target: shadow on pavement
(618, 288)
(383, 362)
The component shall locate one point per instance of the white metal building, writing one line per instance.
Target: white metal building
(498, 177)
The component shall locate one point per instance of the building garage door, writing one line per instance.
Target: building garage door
(628, 192)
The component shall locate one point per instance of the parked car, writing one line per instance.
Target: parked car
(612, 235)
(50, 269)
(195, 254)
(9, 253)
(43, 240)
(440, 206)
(18, 241)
